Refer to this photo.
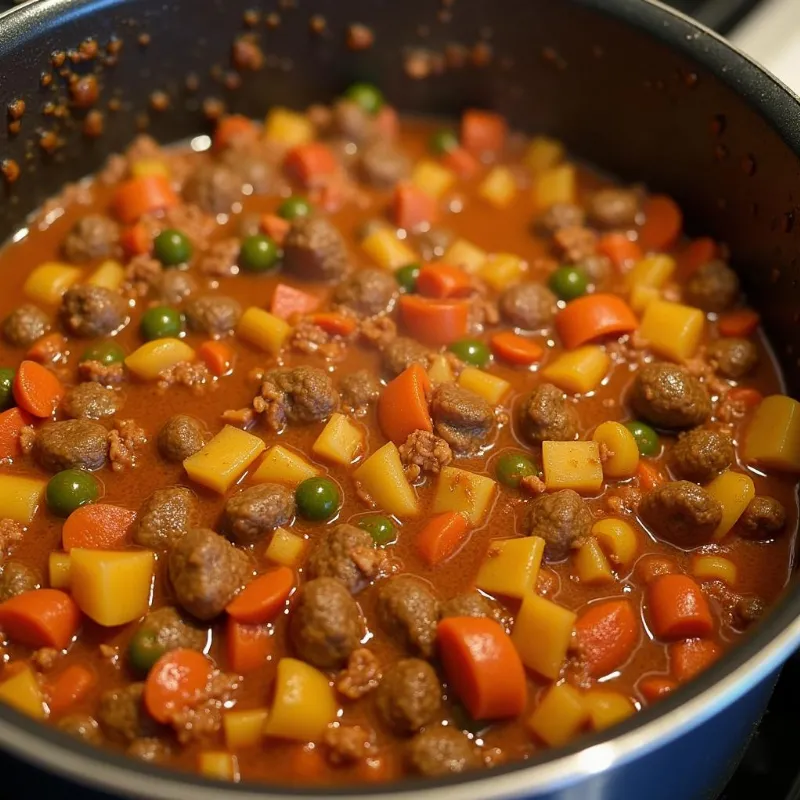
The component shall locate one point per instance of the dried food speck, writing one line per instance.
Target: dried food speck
(16, 108)
(114, 46)
(57, 58)
(114, 104)
(192, 82)
(247, 53)
(232, 80)
(273, 20)
(93, 124)
(159, 101)
(49, 141)
(143, 39)
(10, 170)
(250, 18)
(213, 108)
(317, 23)
(359, 37)
(84, 91)
(89, 48)
(14, 127)
(46, 79)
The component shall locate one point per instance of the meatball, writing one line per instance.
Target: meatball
(614, 208)
(346, 553)
(470, 604)
(562, 519)
(256, 511)
(462, 418)
(547, 416)
(350, 121)
(528, 305)
(123, 716)
(90, 311)
(181, 436)
(561, 215)
(214, 188)
(713, 287)
(401, 353)
(91, 401)
(669, 397)
(82, 726)
(24, 325)
(700, 454)
(315, 250)
(250, 162)
(440, 751)
(17, 578)
(164, 517)
(93, 236)
(174, 286)
(409, 696)
(299, 395)
(681, 513)
(168, 629)
(764, 518)
(359, 390)
(206, 571)
(73, 443)
(382, 164)
(213, 314)
(409, 612)
(732, 357)
(148, 748)
(325, 625)
(748, 610)
(367, 292)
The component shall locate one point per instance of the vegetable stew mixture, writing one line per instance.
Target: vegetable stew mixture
(348, 448)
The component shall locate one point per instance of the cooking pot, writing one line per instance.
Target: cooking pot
(628, 84)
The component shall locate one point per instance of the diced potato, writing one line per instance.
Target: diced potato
(555, 185)
(224, 459)
(618, 540)
(288, 127)
(440, 372)
(286, 548)
(619, 442)
(465, 492)
(341, 441)
(642, 296)
(382, 478)
(466, 255)
(218, 764)
(654, 270)
(572, 465)
(109, 275)
(543, 153)
(284, 466)
(733, 490)
(511, 566)
(152, 358)
(386, 250)
(304, 703)
(263, 330)
(542, 634)
(48, 282)
(501, 270)
(490, 387)
(578, 371)
(244, 728)
(112, 587)
(607, 708)
(559, 716)
(773, 436)
(714, 568)
(20, 497)
(22, 692)
(498, 187)
(58, 570)
(591, 564)
(144, 167)
(432, 178)
(672, 330)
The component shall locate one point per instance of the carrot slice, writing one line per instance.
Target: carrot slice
(649, 476)
(37, 390)
(175, 682)
(593, 316)
(403, 405)
(443, 281)
(288, 301)
(46, 349)
(482, 666)
(483, 131)
(441, 536)
(98, 526)
(310, 163)
(462, 162)
(232, 128)
(247, 647)
(309, 762)
(217, 356)
(516, 349)
(69, 687)
(136, 240)
(334, 324)
(434, 322)
(677, 608)
(656, 688)
(689, 658)
(275, 227)
(11, 424)
(262, 598)
(663, 221)
(697, 253)
(742, 322)
(136, 197)
(745, 395)
(411, 207)
(619, 249)
(606, 636)
(40, 618)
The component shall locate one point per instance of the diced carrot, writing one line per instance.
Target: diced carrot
(136, 197)
(677, 608)
(262, 598)
(515, 349)
(403, 405)
(745, 395)
(411, 207)
(619, 249)
(310, 163)
(288, 301)
(329, 196)
(482, 667)
(232, 128)
(462, 162)
(69, 687)
(377, 769)
(275, 227)
(47, 349)
(387, 123)
(650, 567)
(136, 240)
(649, 476)
(175, 682)
(247, 646)
(36, 389)
(307, 761)
(594, 316)
(443, 281)
(97, 526)
(434, 322)
(742, 322)
(689, 658)
(663, 221)
(697, 253)
(12, 422)
(483, 131)
(441, 536)
(40, 618)
(606, 636)
(334, 324)
(217, 356)
(656, 688)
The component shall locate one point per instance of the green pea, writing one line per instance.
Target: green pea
(380, 528)
(369, 97)
(160, 322)
(144, 650)
(259, 253)
(172, 247)
(294, 207)
(471, 351)
(107, 353)
(6, 388)
(511, 468)
(567, 283)
(317, 499)
(70, 489)
(443, 141)
(407, 277)
(646, 438)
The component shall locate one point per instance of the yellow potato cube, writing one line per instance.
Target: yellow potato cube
(491, 388)
(542, 633)
(591, 564)
(607, 708)
(555, 185)
(642, 296)
(543, 153)
(672, 330)
(224, 459)
(58, 570)
(465, 492)
(263, 330)
(620, 444)
(618, 540)
(288, 127)
(572, 465)
(283, 466)
(772, 440)
(151, 359)
(112, 587)
(511, 566)
(144, 167)
(286, 548)
(714, 568)
(48, 282)
(439, 371)
(218, 764)
(244, 728)
(559, 716)
(386, 250)
(466, 255)
(578, 371)
(382, 478)
(502, 270)
(432, 178)
(341, 441)
(22, 692)
(498, 187)
(109, 275)
(20, 497)
(734, 491)
(654, 270)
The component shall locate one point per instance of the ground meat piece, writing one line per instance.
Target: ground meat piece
(441, 751)
(361, 675)
(181, 436)
(614, 207)
(409, 612)
(17, 578)
(315, 250)
(214, 188)
(575, 243)
(359, 390)
(352, 122)
(174, 286)
(213, 314)
(73, 443)
(203, 719)
(193, 375)
(221, 259)
(681, 513)
(434, 242)
(325, 625)
(528, 305)
(382, 164)
(701, 454)
(256, 511)
(462, 418)
(748, 610)
(409, 696)
(348, 554)
(164, 517)
(148, 748)
(562, 519)
(669, 397)
(123, 716)
(91, 401)
(93, 236)
(24, 325)
(91, 311)
(470, 604)
(423, 451)
(732, 357)
(713, 287)
(81, 726)
(367, 292)
(547, 416)
(251, 162)
(206, 570)
(401, 353)
(596, 268)
(170, 629)
(348, 744)
(561, 215)
(11, 533)
(123, 441)
(300, 395)
(764, 518)
(142, 274)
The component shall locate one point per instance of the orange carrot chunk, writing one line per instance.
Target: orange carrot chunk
(411, 207)
(745, 395)
(136, 197)
(697, 253)
(434, 322)
(334, 324)
(175, 682)
(483, 131)
(619, 249)
(247, 647)
(403, 405)
(656, 688)
(606, 636)
(742, 322)
(136, 240)
(594, 316)
(515, 349)
(37, 390)
(677, 608)
(40, 618)
(649, 476)
(233, 128)
(262, 598)
(275, 226)
(46, 349)
(217, 356)
(288, 301)
(69, 687)
(443, 281)
(310, 163)
(11, 424)
(98, 526)
(689, 658)
(663, 221)
(462, 162)
(441, 536)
